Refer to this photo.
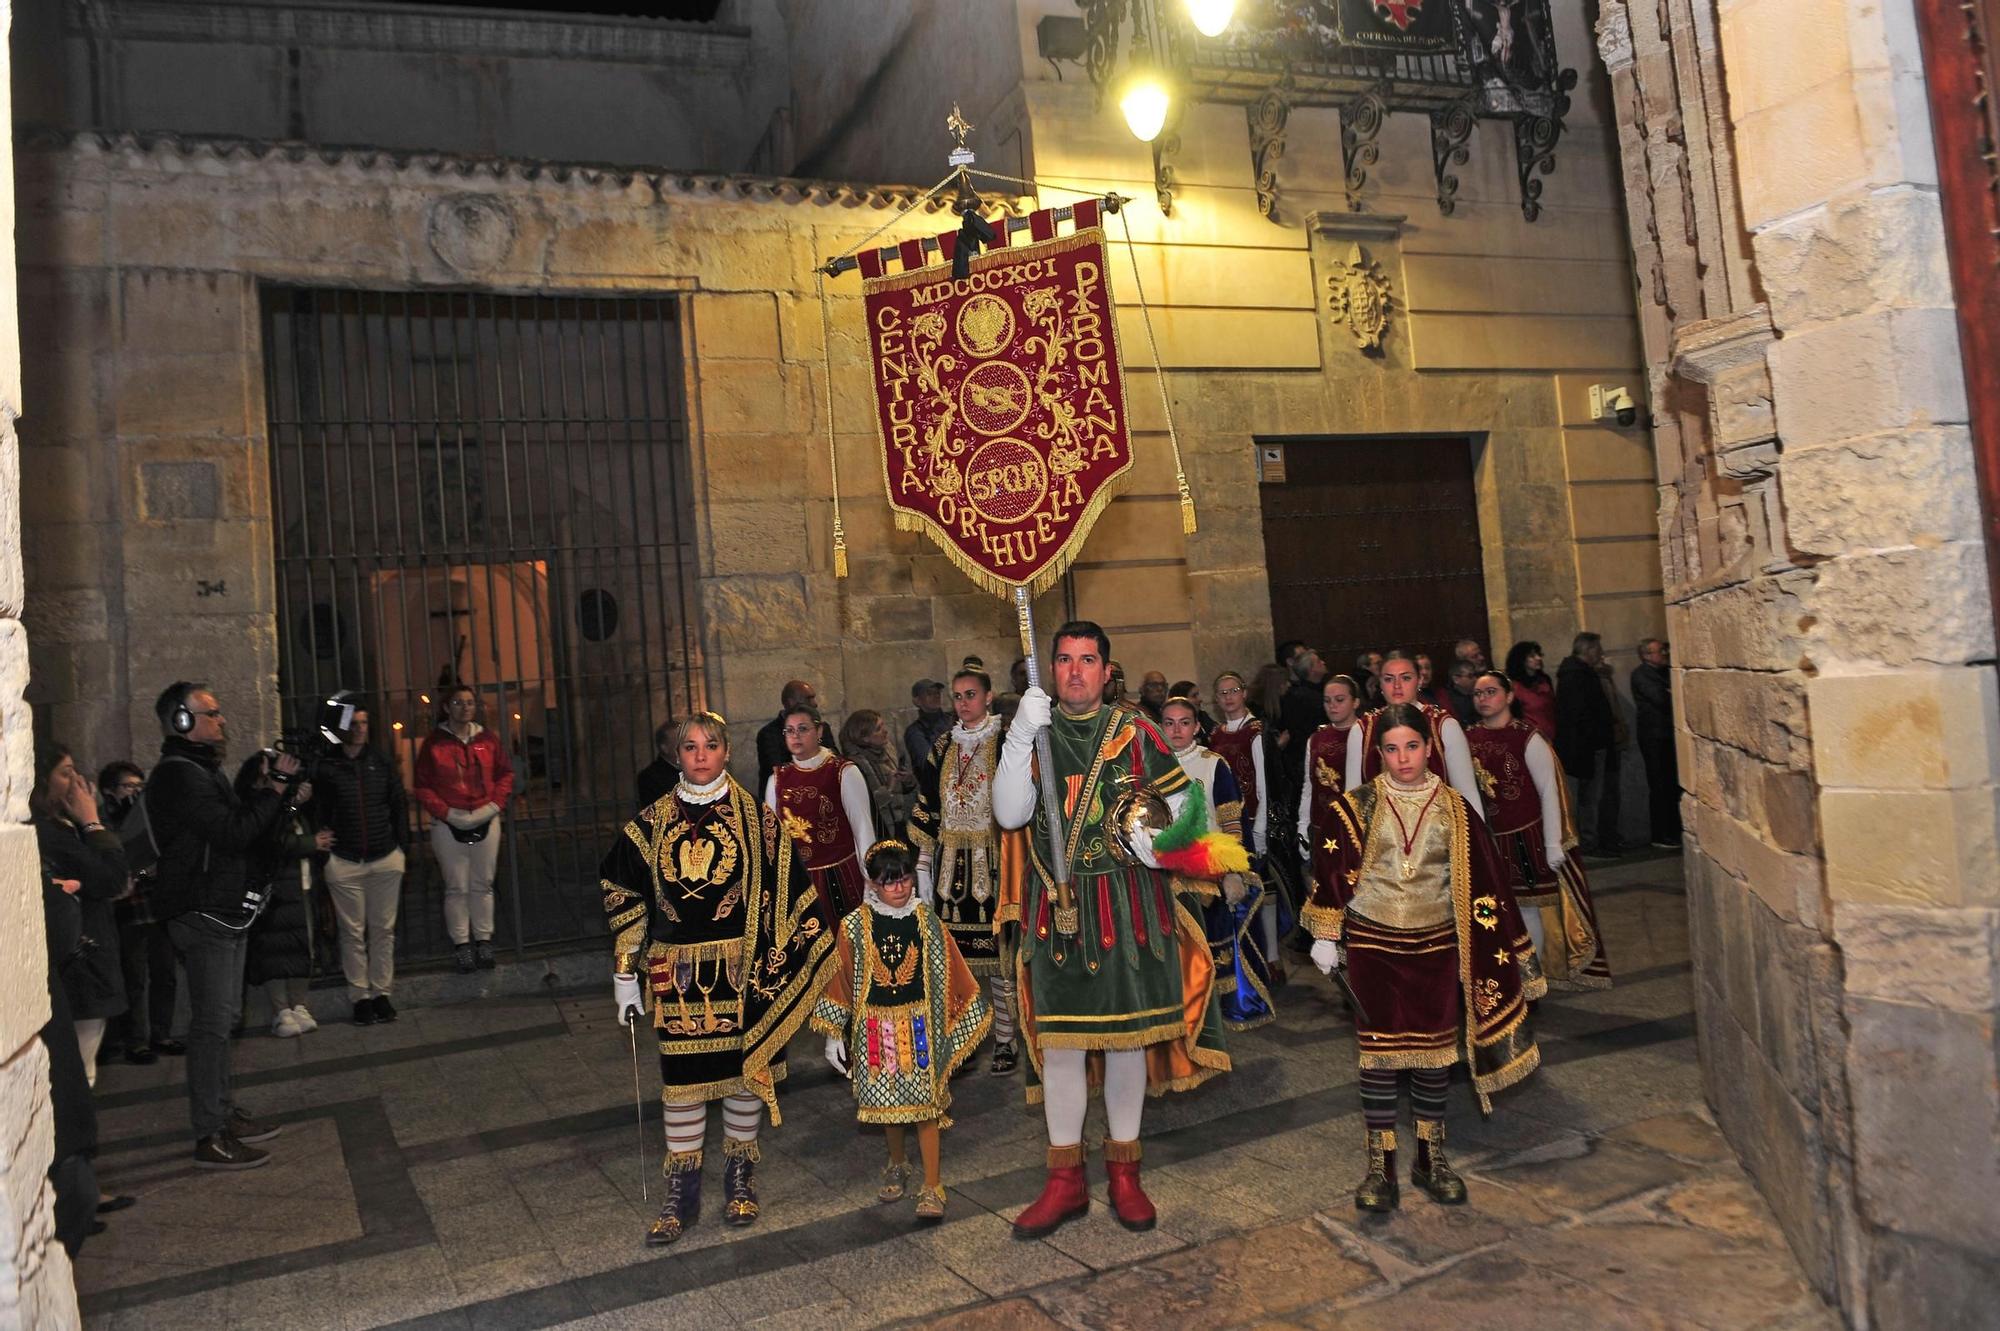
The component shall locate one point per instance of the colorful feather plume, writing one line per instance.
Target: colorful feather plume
(1189, 848)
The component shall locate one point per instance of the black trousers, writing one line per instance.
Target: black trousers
(213, 956)
(147, 956)
(1595, 802)
(1663, 789)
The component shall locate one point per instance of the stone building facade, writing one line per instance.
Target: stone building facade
(1827, 594)
(36, 1288)
(148, 252)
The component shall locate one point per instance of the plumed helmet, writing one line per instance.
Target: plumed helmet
(1136, 817)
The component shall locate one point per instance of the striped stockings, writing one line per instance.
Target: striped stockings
(1379, 1089)
(687, 1124)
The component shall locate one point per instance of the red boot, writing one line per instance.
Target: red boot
(1064, 1197)
(1129, 1201)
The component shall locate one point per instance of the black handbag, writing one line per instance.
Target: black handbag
(469, 836)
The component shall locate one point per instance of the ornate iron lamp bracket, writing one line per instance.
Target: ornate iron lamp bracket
(1360, 125)
(1165, 146)
(1451, 137)
(1268, 117)
(1535, 138)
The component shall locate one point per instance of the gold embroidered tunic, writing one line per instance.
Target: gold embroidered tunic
(953, 823)
(709, 906)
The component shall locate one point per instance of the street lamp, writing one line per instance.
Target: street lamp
(1145, 101)
(1210, 17)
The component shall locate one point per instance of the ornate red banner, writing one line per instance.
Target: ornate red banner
(1001, 405)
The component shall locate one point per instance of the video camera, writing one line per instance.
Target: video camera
(312, 745)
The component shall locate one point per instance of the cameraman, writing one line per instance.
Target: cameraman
(360, 798)
(203, 891)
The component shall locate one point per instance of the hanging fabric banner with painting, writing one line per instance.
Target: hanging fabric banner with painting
(1000, 400)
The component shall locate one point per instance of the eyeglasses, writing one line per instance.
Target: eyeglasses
(1231, 692)
(213, 711)
(801, 730)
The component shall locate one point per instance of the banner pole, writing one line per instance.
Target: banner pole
(1065, 911)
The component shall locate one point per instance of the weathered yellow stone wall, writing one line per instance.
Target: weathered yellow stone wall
(36, 1286)
(141, 266)
(1833, 632)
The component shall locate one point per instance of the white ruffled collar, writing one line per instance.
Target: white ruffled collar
(904, 911)
(970, 739)
(813, 763)
(707, 794)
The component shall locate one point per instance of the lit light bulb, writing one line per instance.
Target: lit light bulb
(1210, 17)
(1145, 107)
(395, 725)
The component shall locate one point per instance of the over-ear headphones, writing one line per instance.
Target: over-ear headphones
(181, 718)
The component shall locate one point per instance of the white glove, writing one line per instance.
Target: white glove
(631, 1006)
(926, 884)
(1234, 889)
(485, 813)
(836, 1054)
(1031, 718)
(1326, 956)
(1556, 857)
(459, 818)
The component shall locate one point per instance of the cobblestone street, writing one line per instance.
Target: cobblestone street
(475, 1165)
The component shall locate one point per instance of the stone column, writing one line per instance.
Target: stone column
(36, 1287)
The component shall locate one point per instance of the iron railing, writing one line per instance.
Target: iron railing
(493, 489)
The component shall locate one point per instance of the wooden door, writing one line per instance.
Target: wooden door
(1372, 544)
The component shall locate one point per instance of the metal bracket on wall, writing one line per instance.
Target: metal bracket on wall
(1360, 124)
(1535, 140)
(1268, 116)
(1164, 146)
(1451, 137)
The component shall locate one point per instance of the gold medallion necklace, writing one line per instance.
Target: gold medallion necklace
(1408, 834)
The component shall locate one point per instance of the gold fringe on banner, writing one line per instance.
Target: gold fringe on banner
(1050, 575)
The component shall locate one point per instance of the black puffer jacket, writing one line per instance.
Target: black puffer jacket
(280, 942)
(205, 833)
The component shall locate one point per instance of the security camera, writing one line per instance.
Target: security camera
(1615, 402)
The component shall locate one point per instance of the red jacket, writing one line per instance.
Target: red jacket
(453, 773)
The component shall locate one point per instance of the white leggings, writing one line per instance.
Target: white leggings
(1066, 1093)
(468, 881)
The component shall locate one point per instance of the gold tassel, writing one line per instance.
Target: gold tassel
(1188, 526)
(839, 549)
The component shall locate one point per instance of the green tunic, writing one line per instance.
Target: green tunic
(1118, 984)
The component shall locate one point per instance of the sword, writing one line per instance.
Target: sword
(638, 1108)
(1339, 976)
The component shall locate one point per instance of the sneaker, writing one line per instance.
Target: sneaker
(484, 949)
(465, 958)
(1666, 845)
(247, 1129)
(364, 1012)
(285, 1026)
(222, 1151)
(305, 1018)
(384, 1009)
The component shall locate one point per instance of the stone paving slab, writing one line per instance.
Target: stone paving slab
(477, 1165)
